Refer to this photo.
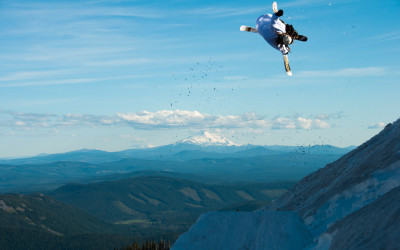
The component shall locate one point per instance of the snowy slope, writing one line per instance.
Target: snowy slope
(352, 203)
(246, 230)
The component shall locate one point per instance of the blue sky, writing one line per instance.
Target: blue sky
(115, 75)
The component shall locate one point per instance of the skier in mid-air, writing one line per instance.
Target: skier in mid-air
(276, 32)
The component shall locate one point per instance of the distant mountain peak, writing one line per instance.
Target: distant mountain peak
(205, 138)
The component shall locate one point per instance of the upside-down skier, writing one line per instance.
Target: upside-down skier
(276, 32)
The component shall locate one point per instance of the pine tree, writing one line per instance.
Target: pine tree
(149, 245)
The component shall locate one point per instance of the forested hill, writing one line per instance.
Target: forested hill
(38, 221)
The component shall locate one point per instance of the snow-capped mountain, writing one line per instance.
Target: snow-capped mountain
(206, 138)
(352, 203)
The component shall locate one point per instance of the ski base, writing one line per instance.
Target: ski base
(248, 29)
(287, 66)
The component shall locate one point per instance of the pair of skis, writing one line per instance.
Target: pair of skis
(254, 30)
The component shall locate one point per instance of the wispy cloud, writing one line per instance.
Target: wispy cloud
(385, 37)
(297, 3)
(23, 120)
(72, 10)
(50, 82)
(214, 11)
(163, 119)
(71, 80)
(80, 35)
(303, 3)
(223, 11)
(346, 72)
(28, 75)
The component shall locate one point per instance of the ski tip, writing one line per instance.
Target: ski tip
(289, 73)
(274, 7)
(248, 29)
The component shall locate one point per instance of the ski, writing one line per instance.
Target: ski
(248, 29)
(287, 67)
(274, 7)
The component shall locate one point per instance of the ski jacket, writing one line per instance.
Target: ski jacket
(269, 26)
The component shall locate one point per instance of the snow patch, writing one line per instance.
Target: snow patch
(207, 139)
(190, 193)
(324, 241)
(5, 207)
(245, 195)
(52, 231)
(211, 195)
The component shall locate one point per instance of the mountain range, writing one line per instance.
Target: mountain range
(208, 157)
(204, 145)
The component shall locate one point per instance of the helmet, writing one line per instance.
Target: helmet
(287, 40)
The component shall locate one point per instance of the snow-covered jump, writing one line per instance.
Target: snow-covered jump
(276, 32)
